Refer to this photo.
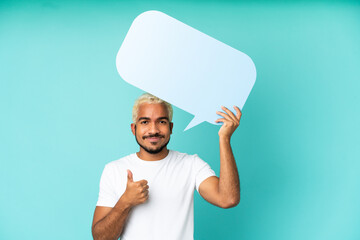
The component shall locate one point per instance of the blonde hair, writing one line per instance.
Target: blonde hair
(149, 98)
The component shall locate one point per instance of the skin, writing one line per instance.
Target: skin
(153, 120)
(224, 191)
(152, 131)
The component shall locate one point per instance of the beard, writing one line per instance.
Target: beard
(152, 151)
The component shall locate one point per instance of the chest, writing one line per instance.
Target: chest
(167, 183)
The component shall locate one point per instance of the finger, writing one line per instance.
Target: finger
(223, 120)
(145, 188)
(230, 113)
(144, 199)
(144, 196)
(224, 115)
(130, 176)
(143, 182)
(238, 113)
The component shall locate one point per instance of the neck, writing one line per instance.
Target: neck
(144, 155)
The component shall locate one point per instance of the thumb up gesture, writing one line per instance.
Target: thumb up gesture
(136, 192)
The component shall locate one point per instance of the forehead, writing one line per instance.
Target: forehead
(152, 110)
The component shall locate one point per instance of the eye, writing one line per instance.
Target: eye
(163, 122)
(144, 122)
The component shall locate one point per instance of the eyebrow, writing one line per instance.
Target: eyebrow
(146, 118)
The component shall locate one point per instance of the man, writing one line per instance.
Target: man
(159, 203)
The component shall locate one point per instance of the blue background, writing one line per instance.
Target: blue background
(65, 113)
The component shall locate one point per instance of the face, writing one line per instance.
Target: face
(152, 129)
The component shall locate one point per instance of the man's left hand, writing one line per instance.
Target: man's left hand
(229, 120)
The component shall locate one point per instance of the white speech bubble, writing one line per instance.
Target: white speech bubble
(184, 66)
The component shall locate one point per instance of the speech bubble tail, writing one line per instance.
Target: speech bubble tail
(195, 121)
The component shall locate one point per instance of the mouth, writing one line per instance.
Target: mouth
(153, 138)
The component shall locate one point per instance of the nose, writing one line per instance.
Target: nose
(154, 128)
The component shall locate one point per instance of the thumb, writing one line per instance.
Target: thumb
(130, 176)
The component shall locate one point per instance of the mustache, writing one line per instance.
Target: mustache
(153, 135)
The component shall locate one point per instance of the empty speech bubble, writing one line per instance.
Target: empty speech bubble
(184, 66)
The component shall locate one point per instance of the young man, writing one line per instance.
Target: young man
(149, 194)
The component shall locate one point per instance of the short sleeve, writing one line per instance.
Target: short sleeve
(107, 195)
(202, 171)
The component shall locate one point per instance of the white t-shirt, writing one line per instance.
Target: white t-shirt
(168, 214)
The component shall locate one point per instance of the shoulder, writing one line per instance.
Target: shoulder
(114, 170)
(180, 155)
(193, 160)
(185, 157)
(119, 163)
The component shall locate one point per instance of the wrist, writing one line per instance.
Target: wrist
(124, 202)
(223, 138)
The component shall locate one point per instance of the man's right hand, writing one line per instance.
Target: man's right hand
(108, 223)
(136, 192)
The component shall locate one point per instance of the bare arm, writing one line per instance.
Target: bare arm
(108, 223)
(224, 191)
(229, 184)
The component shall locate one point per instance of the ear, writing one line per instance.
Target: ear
(133, 128)
(171, 127)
